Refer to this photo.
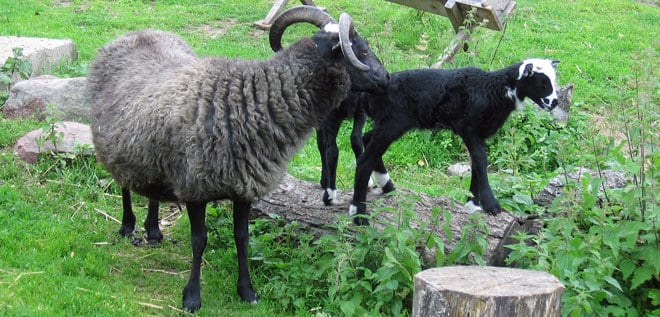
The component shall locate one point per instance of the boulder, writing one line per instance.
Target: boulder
(459, 169)
(30, 98)
(68, 137)
(43, 54)
(611, 180)
(563, 104)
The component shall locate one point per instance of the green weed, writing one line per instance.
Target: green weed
(56, 217)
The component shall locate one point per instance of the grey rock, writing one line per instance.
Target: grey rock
(459, 169)
(611, 180)
(564, 104)
(43, 53)
(30, 98)
(70, 137)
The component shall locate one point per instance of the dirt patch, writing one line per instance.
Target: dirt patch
(653, 3)
(215, 29)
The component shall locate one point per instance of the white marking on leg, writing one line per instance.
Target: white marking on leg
(381, 179)
(352, 210)
(472, 207)
(332, 194)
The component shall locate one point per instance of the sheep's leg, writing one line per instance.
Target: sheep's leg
(357, 142)
(128, 217)
(378, 140)
(479, 186)
(154, 235)
(320, 143)
(242, 239)
(327, 142)
(192, 299)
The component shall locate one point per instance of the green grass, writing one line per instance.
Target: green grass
(60, 254)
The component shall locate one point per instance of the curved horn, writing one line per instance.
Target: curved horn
(309, 14)
(345, 29)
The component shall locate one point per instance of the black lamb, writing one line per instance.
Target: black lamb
(172, 126)
(471, 102)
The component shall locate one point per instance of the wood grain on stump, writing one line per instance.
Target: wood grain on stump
(486, 291)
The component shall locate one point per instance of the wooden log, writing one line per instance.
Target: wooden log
(301, 201)
(486, 291)
(275, 11)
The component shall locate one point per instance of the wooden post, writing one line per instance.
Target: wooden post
(486, 291)
(275, 11)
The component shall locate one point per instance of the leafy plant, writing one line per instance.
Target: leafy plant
(605, 247)
(357, 271)
(16, 64)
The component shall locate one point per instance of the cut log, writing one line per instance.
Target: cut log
(300, 201)
(486, 291)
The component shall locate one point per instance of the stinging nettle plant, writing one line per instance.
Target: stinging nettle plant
(16, 64)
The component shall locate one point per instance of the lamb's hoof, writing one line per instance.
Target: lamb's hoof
(192, 300)
(494, 211)
(153, 238)
(247, 294)
(360, 220)
(389, 187)
(472, 207)
(359, 214)
(329, 196)
(492, 208)
(126, 231)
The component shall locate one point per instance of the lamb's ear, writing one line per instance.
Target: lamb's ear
(528, 71)
(554, 63)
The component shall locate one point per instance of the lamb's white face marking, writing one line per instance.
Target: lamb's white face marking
(331, 28)
(545, 67)
(381, 179)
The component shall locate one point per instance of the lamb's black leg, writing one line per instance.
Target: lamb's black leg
(327, 140)
(357, 142)
(192, 299)
(479, 186)
(128, 217)
(379, 170)
(377, 142)
(154, 235)
(242, 239)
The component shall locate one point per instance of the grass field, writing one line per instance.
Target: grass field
(60, 254)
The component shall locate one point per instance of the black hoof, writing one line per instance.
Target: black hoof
(247, 294)
(126, 231)
(360, 220)
(389, 187)
(192, 301)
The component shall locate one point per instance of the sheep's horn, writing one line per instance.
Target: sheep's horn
(345, 29)
(309, 14)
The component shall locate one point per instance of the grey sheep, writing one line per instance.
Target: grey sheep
(176, 127)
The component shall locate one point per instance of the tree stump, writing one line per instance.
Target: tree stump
(486, 291)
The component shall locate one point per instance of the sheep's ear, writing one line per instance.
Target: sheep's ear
(554, 63)
(528, 71)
